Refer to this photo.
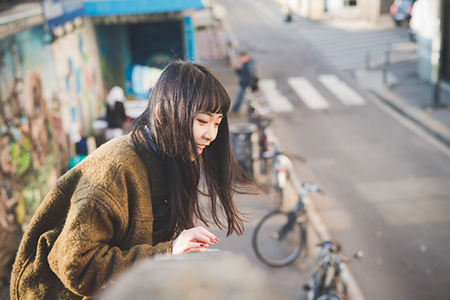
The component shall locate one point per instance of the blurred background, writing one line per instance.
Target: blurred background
(359, 90)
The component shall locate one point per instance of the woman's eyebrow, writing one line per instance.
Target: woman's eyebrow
(211, 114)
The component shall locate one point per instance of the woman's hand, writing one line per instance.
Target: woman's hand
(196, 239)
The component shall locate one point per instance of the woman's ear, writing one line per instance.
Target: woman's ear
(157, 112)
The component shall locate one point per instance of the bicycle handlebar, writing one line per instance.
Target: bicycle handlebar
(336, 249)
(310, 187)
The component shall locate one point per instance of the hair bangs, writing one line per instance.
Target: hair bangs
(215, 99)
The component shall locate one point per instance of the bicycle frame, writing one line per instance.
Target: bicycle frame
(299, 210)
(329, 259)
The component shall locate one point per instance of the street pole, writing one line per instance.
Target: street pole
(368, 59)
(437, 53)
(387, 61)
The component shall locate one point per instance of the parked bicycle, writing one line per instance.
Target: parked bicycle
(281, 167)
(329, 276)
(280, 237)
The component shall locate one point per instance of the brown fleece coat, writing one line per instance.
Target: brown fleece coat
(95, 222)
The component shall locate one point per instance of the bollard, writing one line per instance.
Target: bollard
(367, 59)
(387, 58)
(242, 144)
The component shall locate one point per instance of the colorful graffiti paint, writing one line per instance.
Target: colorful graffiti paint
(77, 63)
(30, 160)
(49, 95)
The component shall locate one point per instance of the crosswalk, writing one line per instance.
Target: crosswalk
(277, 101)
(310, 94)
(349, 50)
(341, 90)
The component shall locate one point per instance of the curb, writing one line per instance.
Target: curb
(431, 125)
(354, 292)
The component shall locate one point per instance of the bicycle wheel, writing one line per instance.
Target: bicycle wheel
(279, 238)
(329, 297)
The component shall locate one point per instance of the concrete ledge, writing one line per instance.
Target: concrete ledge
(219, 275)
(433, 126)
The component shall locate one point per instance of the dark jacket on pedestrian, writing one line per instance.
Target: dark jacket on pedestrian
(115, 116)
(246, 73)
(95, 222)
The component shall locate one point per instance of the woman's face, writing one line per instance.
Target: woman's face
(206, 126)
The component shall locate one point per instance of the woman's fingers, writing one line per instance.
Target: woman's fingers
(200, 234)
(207, 233)
(200, 237)
(196, 247)
(196, 239)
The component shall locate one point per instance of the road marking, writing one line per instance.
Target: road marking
(308, 93)
(276, 100)
(341, 90)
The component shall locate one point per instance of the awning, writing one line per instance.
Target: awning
(96, 8)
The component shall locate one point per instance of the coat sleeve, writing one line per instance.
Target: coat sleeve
(84, 256)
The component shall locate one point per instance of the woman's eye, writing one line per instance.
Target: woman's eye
(202, 121)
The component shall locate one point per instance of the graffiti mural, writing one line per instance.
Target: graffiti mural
(49, 95)
(79, 80)
(30, 159)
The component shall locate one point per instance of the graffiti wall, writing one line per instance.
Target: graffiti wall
(30, 160)
(49, 95)
(77, 67)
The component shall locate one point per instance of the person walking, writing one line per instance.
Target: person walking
(138, 194)
(246, 71)
(115, 112)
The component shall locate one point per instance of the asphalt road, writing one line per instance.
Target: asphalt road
(388, 188)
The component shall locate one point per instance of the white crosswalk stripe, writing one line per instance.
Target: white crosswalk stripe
(341, 90)
(276, 100)
(308, 93)
(346, 50)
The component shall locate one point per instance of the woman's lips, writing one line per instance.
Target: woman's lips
(200, 149)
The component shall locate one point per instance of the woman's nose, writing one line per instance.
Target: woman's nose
(210, 133)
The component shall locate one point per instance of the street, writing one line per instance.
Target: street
(387, 185)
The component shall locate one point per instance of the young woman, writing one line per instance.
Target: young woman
(137, 195)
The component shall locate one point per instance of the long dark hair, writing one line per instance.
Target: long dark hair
(183, 90)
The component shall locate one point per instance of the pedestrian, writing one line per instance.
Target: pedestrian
(138, 195)
(246, 71)
(115, 112)
(286, 9)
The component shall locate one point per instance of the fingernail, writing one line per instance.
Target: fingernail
(202, 245)
(217, 240)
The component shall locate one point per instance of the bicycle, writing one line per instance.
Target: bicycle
(260, 114)
(280, 237)
(329, 276)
